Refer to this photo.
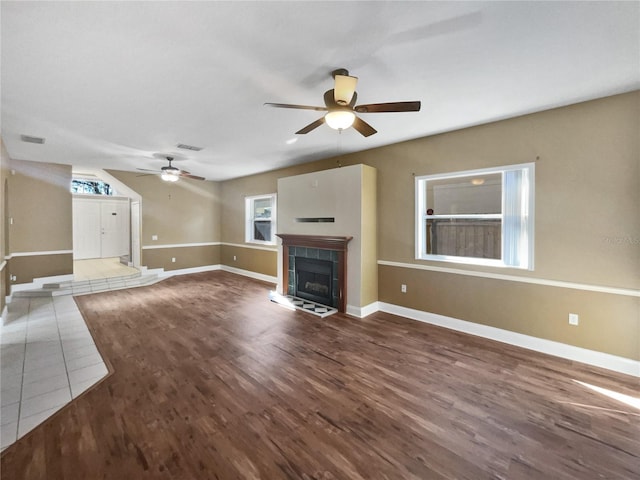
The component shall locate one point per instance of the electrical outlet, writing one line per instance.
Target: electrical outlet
(403, 288)
(154, 237)
(235, 258)
(573, 319)
(173, 259)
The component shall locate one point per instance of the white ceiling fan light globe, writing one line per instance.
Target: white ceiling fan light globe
(169, 177)
(340, 119)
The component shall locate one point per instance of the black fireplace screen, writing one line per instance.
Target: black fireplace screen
(314, 280)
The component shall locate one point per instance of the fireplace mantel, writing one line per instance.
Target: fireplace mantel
(323, 242)
(315, 241)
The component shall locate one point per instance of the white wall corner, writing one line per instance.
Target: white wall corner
(362, 312)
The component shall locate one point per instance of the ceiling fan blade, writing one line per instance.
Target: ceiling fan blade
(188, 175)
(389, 107)
(345, 87)
(299, 107)
(311, 126)
(147, 170)
(363, 127)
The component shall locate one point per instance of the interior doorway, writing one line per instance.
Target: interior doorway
(100, 228)
(107, 220)
(97, 268)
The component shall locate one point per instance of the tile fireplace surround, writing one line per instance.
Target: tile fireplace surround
(332, 248)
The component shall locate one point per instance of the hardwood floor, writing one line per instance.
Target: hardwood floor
(210, 380)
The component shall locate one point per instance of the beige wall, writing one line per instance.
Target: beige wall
(185, 257)
(587, 227)
(28, 268)
(608, 323)
(180, 213)
(187, 211)
(255, 260)
(40, 207)
(587, 193)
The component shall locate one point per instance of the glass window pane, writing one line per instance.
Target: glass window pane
(476, 238)
(262, 208)
(91, 187)
(477, 194)
(262, 230)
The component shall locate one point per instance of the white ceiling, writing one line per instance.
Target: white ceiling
(111, 84)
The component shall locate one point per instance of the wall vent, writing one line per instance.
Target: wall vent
(30, 139)
(189, 147)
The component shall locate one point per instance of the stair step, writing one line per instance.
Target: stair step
(89, 286)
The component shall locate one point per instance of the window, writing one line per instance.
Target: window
(481, 217)
(90, 187)
(260, 212)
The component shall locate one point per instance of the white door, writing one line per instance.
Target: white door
(115, 228)
(100, 228)
(86, 229)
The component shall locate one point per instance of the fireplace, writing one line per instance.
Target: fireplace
(314, 280)
(315, 268)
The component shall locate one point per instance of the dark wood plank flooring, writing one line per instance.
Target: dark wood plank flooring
(210, 380)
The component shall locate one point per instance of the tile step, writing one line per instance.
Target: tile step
(89, 286)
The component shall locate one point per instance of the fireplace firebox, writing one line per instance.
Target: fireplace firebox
(316, 247)
(314, 280)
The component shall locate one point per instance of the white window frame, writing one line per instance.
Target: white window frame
(250, 218)
(519, 207)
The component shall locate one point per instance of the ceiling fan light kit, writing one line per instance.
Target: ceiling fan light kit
(341, 108)
(169, 177)
(171, 173)
(340, 119)
(345, 87)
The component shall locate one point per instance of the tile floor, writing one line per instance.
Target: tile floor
(47, 358)
(291, 302)
(100, 268)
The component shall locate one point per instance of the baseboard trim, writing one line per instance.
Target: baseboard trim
(362, 312)
(38, 282)
(249, 273)
(562, 350)
(180, 245)
(162, 273)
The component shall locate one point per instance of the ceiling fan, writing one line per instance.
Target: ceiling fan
(341, 108)
(171, 173)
